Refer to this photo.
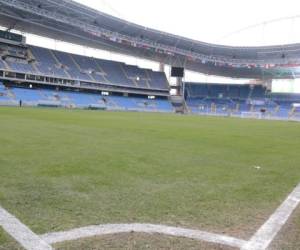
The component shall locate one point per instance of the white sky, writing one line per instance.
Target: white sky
(213, 21)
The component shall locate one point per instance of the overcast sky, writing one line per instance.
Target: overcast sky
(213, 21)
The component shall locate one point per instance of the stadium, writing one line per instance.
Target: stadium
(101, 153)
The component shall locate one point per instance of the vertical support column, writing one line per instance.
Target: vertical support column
(162, 67)
(178, 99)
(179, 85)
(268, 85)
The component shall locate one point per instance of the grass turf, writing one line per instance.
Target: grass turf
(289, 237)
(62, 169)
(135, 241)
(7, 242)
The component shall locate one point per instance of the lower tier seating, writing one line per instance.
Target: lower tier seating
(35, 97)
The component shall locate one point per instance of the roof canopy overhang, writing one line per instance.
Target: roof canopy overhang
(72, 22)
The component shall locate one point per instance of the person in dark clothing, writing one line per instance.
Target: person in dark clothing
(20, 103)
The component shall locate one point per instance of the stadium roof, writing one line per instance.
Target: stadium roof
(72, 22)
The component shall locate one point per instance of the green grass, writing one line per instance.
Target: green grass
(135, 241)
(62, 169)
(7, 242)
(289, 236)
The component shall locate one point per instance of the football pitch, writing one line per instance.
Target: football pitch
(66, 169)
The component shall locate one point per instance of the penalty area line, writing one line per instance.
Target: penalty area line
(21, 233)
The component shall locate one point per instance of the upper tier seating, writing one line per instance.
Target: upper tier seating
(105, 71)
(137, 75)
(2, 65)
(86, 63)
(70, 66)
(43, 55)
(57, 64)
(51, 70)
(134, 72)
(21, 67)
(114, 73)
(158, 80)
(46, 63)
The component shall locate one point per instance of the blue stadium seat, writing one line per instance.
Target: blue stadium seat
(258, 92)
(217, 91)
(234, 91)
(158, 80)
(84, 100)
(21, 67)
(86, 63)
(57, 64)
(2, 65)
(26, 95)
(245, 92)
(114, 73)
(43, 55)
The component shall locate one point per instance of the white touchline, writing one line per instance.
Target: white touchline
(21, 233)
(268, 231)
(93, 231)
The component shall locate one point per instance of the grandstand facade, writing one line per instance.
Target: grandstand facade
(36, 76)
(73, 22)
(240, 100)
(48, 77)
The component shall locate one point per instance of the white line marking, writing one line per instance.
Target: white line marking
(260, 241)
(268, 231)
(93, 231)
(21, 233)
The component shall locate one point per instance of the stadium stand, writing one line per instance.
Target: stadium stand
(260, 62)
(71, 99)
(2, 65)
(63, 65)
(218, 99)
(103, 71)
(114, 73)
(57, 67)
(157, 80)
(127, 87)
(21, 67)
